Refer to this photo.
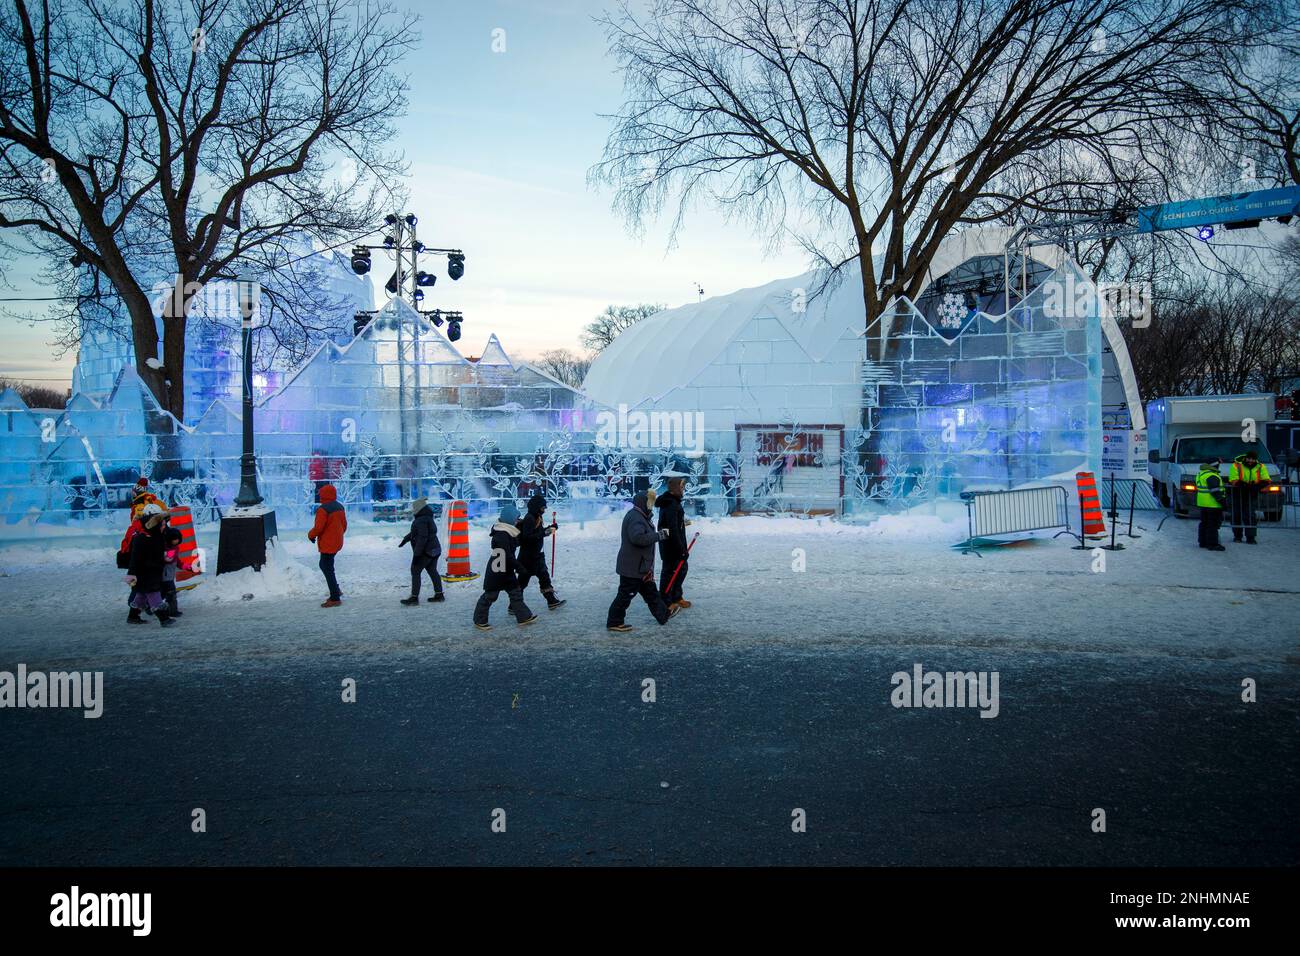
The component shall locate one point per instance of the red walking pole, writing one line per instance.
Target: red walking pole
(552, 545)
(676, 570)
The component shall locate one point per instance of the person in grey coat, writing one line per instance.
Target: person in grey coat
(636, 565)
(425, 551)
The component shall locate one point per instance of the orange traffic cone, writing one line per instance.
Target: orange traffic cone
(458, 544)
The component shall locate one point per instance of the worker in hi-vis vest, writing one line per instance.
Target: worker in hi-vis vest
(1247, 477)
(1209, 498)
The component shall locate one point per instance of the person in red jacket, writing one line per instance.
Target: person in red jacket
(331, 524)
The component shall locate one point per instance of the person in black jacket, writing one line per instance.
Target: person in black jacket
(636, 565)
(145, 571)
(425, 551)
(672, 549)
(503, 572)
(532, 549)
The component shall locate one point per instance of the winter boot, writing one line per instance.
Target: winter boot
(174, 611)
(621, 628)
(437, 598)
(484, 627)
(133, 616)
(331, 603)
(552, 601)
(529, 621)
(411, 601)
(683, 603)
(164, 618)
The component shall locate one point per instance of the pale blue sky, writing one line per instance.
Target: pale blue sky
(499, 146)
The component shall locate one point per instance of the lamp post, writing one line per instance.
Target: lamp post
(248, 527)
(250, 294)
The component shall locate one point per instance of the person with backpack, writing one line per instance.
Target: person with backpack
(425, 551)
(331, 524)
(145, 569)
(636, 565)
(532, 550)
(124, 561)
(503, 572)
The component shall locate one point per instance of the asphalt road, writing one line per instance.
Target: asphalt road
(588, 773)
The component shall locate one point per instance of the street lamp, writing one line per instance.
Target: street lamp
(248, 526)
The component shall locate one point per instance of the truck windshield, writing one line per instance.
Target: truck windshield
(1197, 450)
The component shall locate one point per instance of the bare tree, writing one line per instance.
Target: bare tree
(895, 121)
(1219, 335)
(605, 328)
(191, 140)
(35, 396)
(566, 365)
(1259, 136)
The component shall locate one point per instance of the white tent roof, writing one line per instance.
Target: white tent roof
(670, 348)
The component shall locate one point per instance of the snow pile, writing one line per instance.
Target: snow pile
(281, 576)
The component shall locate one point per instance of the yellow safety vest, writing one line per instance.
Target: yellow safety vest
(1203, 487)
(1239, 472)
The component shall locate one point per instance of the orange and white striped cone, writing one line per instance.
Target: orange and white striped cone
(189, 562)
(458, 544)
(1089, 506)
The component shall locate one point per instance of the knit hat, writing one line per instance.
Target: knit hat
(537, 503)
(418, 505)
(509, 514)
(142, 482)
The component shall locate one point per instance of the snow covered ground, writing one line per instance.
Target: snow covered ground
(892, 582)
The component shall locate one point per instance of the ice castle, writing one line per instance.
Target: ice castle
(1002, 373)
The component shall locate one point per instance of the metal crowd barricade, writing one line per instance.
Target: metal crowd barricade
(1011, 512)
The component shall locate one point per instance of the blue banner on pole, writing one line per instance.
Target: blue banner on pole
(1237, 207)
(1266, 203)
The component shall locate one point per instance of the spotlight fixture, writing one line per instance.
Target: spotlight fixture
(418, 295)
(418, 246)
(453, 330)
(360, 260)
(972, 303)
(435, 317)
(389, 241)
(411, 220)
(425, 278)
(391, 284)
(1205, 233)
(391, 219)
(456, 265)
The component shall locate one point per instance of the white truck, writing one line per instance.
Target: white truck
(1185, 431)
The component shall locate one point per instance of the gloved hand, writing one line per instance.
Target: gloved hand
(663, 534)
(130, 579)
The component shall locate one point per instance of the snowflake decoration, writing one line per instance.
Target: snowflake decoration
(951, 311)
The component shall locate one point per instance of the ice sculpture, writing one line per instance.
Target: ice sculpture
(770, 399)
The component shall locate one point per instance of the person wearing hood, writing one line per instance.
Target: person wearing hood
(172, 539)
(636, 565)
(673, 548)
(503, 572)
(533, 533)
(145, 571)
(1247, 477)
(425, 551)
(331, 524)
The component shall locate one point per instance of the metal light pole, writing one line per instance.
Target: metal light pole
(248, 527)
(250, 294)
